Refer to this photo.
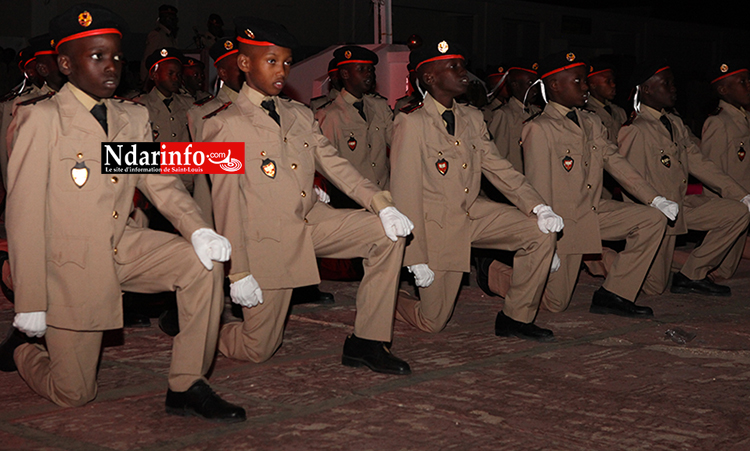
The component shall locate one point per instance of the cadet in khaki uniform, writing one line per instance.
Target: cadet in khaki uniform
(164, 35)
(440, 150)
(334, 87)
(360, 126)
(73, 248)
(566, 151)
(602, 91)
(412, 99)
(194, 79)
(658, 144)
(275, 223)
(726, 133)
(498, 95)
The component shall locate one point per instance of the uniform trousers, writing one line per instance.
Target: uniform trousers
(641, 227)
(336, 233)
(65, 370)
(506, 228)
(724, 220)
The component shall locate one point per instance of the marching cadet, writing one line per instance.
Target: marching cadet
(360, 126)
(602, 91)
(498, 93)
(566, 151)
(72, 247)
(414, 97)
(334, 87)
(440, 149)
(658, 145)
(275, 223)
(194, 78)
(164, 35)
(726, 133)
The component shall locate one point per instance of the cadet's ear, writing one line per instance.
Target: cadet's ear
(63, 64)
(721, 88)
(343, 73)
(42, 69)
(243, 62)
(427, 78)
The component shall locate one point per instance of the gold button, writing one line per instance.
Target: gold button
(588, 186)
(262, 153)
(377, 128)
(593, 208)
(305, 220)
(467, 213)
(464, 165)
(115, 215)
(661, 150)
(567, 150)
(440, 154)
(351, 133)
(373, 165)
(303, 194)
(684, 181)
(473, 146)
(114, 179)
(294, 166)
(466, 190)
(741, 143)
(80, 155)
(171, 118)
(284, 139)
(377, 181)
(593, 147)
(174, 134)
(306, 145)
(458, 143)
(586, 163)
(115, 251)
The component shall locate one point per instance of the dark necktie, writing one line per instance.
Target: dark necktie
(269, 106)
(665, 120)
(450, 121)
(573, 117)
(167, 102)
(608, 109)
(100, 113)
(360, 106)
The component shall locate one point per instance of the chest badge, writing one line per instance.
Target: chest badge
(567, 163)
(442, 166)
(666, 161)
(268, 166)
(80, 174)
(352, 143)
(741, 153)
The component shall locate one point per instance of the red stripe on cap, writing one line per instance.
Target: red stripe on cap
(86, 34)
(162, 60)
(661, 70)
(355, 61)
(224, 56)
(335, 69)
(521, 68)
(27, 62)
(45, 52)
(729, 74)
(600, 71)
(570, 66)
(251, 42)
(438, 58)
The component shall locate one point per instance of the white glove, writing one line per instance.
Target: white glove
(246, 292)
(555, 263)
(322, 195)
(669, 208)
(33, 324)
(395, 223)
(547, 220)
(423, 275)
(209, 245)
(746, 200)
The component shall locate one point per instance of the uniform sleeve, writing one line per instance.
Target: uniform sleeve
(537, 160)
(709, 173)
(620, 167)
(407, 183)
(498, 129)
(715, 142)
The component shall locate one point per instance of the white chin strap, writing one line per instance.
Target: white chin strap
(497, 85)
(419, 88)
(541, 89)
(637, 100)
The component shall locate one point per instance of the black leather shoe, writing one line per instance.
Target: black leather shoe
(200, 401)
(14, 339)
(606, 302)
(483, 273)
(310, 294)
(169, 322)
(705, 286)
(372, 354)
(508, 327)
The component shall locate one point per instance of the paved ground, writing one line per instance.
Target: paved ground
(607, 383)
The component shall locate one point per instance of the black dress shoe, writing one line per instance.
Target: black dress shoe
(508, 327)
(483, 273)
(606, 302)
(310, 294)
(705, 286)
(169, 322)
(200, 401)
(372, 354)
(14, 339)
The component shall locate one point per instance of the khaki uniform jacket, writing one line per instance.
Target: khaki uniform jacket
(318, 102)
(64, 241)
(262, 212)
(364, 144)
(726, 142)
(196, 113)
(8, 109)
(489, 109)
(506, 126)
(441, 205)
(168, 126)
(565, 163)
(666, 162)
(157, 38)
(612, 122)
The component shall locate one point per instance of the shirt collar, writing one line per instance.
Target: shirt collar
(256, 97)
(87, 101)
(349, 98)
(652, 112)
(440, 108)
(231, 93)
(596, 101)
(562, 109)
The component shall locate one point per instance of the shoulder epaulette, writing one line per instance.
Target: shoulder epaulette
(217, 111)
(630, 120)
(9, 96)
(125, 99)
(716, 111)
(324, 105)
(377, 95)
(285, 97)
(497, 107)
(317, 98)
(36, 99)
(410, 108)
(533, 117)
(203, 101)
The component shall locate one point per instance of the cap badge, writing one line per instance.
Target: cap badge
(249, 34)
(500, 70)
(348, 54)
(163, 52)
(442, 47)
(80, 174)
(442, 166)
(84, 19)
(228, 45)
(52, 43)
(570, 57)
(724, 68)
(535, 66)
(567, 163)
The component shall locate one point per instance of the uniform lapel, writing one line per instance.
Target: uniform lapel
(75, 116)
(287, 117)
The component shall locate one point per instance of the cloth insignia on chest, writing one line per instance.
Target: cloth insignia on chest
(567, 163)
(741, 153)
(442, 166)
(666, 161)
(352, 143)
(268, 166)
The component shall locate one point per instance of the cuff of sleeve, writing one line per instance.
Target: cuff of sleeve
(381, 200)
(238, 276)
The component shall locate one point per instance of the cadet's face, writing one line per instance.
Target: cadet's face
(266, 68)
(520, 83)
(193, 77)
(230, 73)
(358, 78)
(168, 76)
(603, 85)
(450, 76)
(660, 91)
(735, 89)
(569, 88)
(93, 64)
